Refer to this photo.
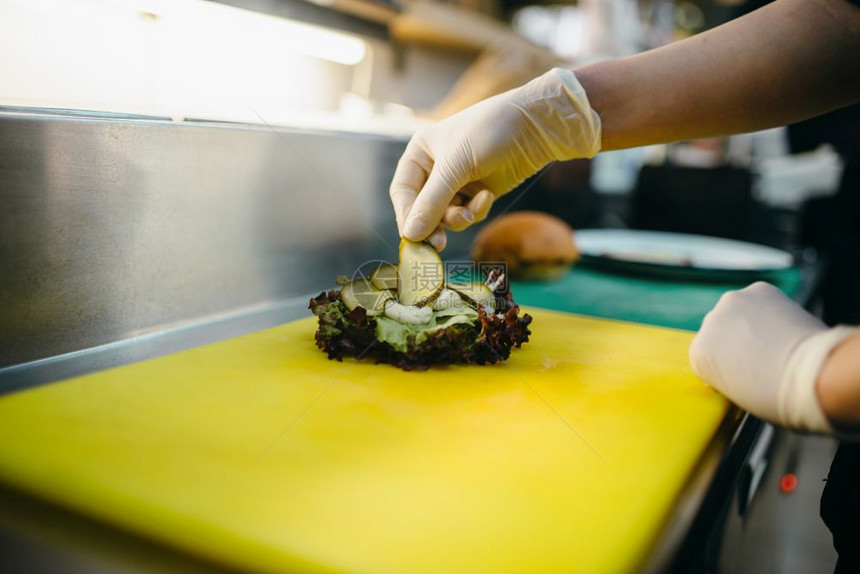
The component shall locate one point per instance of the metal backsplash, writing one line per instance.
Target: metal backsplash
(114, 228)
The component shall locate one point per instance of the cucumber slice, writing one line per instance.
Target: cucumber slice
(420, 273)
(360, 293)
(384, 276)
(475, 292)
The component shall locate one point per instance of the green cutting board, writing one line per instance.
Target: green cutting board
(647, 300)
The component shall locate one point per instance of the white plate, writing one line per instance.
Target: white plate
(678, 252)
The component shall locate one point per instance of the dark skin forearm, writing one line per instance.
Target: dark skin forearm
(838, 385)
(739, 77)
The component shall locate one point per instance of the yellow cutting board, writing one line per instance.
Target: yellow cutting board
(260, 453)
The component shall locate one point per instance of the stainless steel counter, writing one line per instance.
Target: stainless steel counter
(116, 228)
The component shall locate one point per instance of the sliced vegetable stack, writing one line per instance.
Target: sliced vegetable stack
(411, 317)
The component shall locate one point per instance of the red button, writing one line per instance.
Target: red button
(788, 483)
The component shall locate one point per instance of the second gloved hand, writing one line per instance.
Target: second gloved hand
(452, 171)
(764, 352)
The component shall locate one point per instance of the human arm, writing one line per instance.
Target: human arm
(838, 386)
(775, 360)
(788, 61)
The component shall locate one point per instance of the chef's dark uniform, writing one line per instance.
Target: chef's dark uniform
(840, 503)
(838, 237)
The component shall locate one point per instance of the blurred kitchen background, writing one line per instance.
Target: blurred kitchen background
(385, 67)
(343, 84)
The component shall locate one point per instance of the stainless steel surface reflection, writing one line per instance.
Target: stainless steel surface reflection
(112, 229)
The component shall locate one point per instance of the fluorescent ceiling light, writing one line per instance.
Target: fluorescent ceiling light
(252, 28)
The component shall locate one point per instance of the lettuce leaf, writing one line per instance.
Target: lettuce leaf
(454, 335)
(403, 335)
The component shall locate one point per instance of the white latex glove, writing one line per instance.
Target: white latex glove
(764, 352)
(452, 171)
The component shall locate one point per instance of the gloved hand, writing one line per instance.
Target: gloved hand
(452, 171)
(764, 352)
